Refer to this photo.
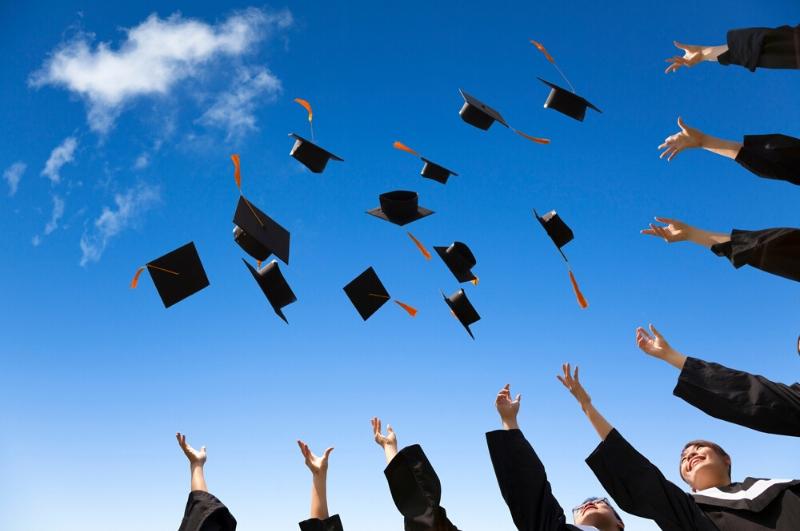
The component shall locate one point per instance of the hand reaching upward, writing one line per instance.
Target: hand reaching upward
(316, 464)
(196, 458)
(692, 55)
(658, 347)
(686, 138)
(388, 442)
(573, 383)
(508, 408)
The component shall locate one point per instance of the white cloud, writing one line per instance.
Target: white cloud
(142, 161)
(58, 212)
(36, 240)
(234, 110)
(13, 174)
(62, 154)
(154, 56)
(113, 220)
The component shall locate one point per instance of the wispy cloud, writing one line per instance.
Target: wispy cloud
(155, 55)
(13, 175)
(142, 161)
(234, 110)
(64, 153)
(55, 217)
(127, 210)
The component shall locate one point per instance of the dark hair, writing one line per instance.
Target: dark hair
(708, 444)
(607, 502)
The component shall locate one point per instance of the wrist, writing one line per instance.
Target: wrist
(194, 465)
(510, 424)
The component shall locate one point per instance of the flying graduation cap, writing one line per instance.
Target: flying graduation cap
(368, 294)
(480, 115)
(306, 151)
(560, 99)
(430, 170)
(400, 207)
(462, 309)
(177, 275)
(561, 234)
(459, 260)
(274, 285)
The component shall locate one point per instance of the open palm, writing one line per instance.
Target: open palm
(692, 55)
(196, 457)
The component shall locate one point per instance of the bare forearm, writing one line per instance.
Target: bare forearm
(710, 53)
(707, 238)
(599, 423)
(390, 451)
(726, 148)
(198, 478)
(319, 497)
(675, 358)
(510, 424)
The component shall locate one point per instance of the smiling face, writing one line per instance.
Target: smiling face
(597, 512)
(704, 465)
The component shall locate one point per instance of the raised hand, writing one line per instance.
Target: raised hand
(687, 137)
(658, 347)
(388, 442)
(692, 55)
(196, 458)
(508, 408)
(573, 383)
(674, 231)
(316, 464)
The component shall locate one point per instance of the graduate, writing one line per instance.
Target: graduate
(319, 519)
(772, 156)
(204, 512)
(747, 47)
(775, 251)
(716, 503)
(413, 482)
(523, 481)
(734, 396)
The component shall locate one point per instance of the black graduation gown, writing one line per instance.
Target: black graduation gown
(416, 491)
(640, 488)
(523, 483)
(775, 251)
(763, 47)
(746, 399)
(332, 523)
(772, 156)
(204, 512)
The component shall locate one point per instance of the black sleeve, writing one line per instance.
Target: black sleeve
(772, 156)
(739, 397)
(775, 251)
(205, 512)
(640, 488)
(763, 47)
(523, 483)
(416, 491)
(332, 523)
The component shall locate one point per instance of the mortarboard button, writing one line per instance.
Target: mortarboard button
(310, 155)
(274, 285)
(400, 207)
(459, 259)
(566, 102)
(434, 171)
(367, 293)
(555, 227)
(258, 234)
(477, 113)
(463, 310)
(177, 274)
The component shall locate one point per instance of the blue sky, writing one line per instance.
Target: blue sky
(96, 378)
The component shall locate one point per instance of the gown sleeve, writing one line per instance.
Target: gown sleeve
(204, 512)
(332, 523)
(416, 491)
(775, 251)
(523, 483)
(739, 397)
(771, 156)
(763, 47)
(641, 489)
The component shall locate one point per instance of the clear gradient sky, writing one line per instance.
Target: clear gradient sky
(96, 378)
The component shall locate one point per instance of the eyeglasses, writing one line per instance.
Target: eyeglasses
(586, 502)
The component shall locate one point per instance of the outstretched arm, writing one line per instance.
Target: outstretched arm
(197, 459)
(573, 384)
(693, 54)
(678, 231)
(508, 408)
(658, 347)
(689, 137)
(319, 474)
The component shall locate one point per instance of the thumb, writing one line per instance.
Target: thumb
(680, 45)
(519, 397)
(682, 124)
(389, 428)
(656, 332)
(328, 452)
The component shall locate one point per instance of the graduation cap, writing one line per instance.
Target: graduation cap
(459, 260)
(561, 234)
(306, 151)
(566, 102)
(400, 207)
(477, 113)
(274, 285)
(177, 275)
(258, 234)
(368, 294)
(463, 310)
(430, 169)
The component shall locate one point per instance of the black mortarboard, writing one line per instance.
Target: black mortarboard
(258, 234)
(477, 113)
(367, 293)
(274, 286)
(177, 274)
(309, 154)
(463, 310)
(558, 231)
(434, 171)
(459, 259)
(400, 207)
(566, 102)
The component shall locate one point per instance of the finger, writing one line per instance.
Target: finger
(651, 232)
(560, 379)
(674, 153)
(577, 379)
(682, 46)
(668, 221)
(327, 453)
(655, 332)
(682, 125)
(519, 397)
(389, 428)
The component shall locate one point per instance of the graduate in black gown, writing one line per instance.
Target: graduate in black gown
(413, 482)
(775, 251)
(204, 512)
(735, 396)
(748, 47)
(524, 486)
(319, 519)
(715, 503)
(772, 156)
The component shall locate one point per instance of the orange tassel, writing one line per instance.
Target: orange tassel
(419, 245)
(237, 176)
(581, 299)
(135, 281)
(474, 281)
(543, 50)
(403, 147)
(307, 106)
(410, 309)
(533, 138)
(258, 265)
